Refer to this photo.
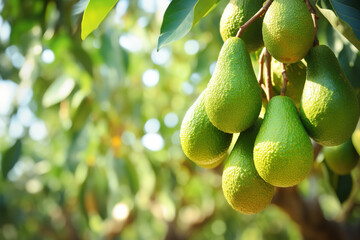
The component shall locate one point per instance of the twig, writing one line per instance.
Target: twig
(268, 75)
(261, 74)
(285, 80)
(317, 148)
(254, 18)
(314, 18)
(261, 67)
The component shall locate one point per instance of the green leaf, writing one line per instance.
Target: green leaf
(58, 91)
(340, 184)
(177, 22)
(94, 14)
(202, 8)
(340, 25)
(344, 187)
(349, 11)
(10, 157)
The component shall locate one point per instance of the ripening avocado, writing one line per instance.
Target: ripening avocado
(233, 96)
(235, 14)
(201, 142)
(243, 188)
(329, 108)
(288, 30)
(341, 159)
(283, 153)
(296, 74)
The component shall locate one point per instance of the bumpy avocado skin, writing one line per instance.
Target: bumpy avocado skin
(288, 30)
(283, 153)
(329, 108)
(233, 96)
(235, 14)
(201, 142)
(243, 188)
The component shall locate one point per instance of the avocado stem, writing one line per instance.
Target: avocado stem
(285, 80)
(268, 75)
(261, 67)
(254, 18)
(261, 74)
(314, 18)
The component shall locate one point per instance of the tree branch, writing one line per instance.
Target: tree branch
(314, 18)
(285, 80)
(308, 215)
(254, 18)
(268, 75)
(261, 67)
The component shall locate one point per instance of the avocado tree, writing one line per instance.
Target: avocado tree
(97, 107)
(282, 153)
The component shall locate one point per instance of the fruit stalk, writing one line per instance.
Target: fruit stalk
(314, 18)
(261, 70)
(285, 78)
(254, 18)
(268, 75)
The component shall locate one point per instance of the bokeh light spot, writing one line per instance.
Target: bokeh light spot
(171, 120)
(38, 130)
(151, 77)
(48, 56)
(152, 125)
(191, 47)
(162, 56)
(130, 42)
(153, 141)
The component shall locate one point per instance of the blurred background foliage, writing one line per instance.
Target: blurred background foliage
(89, 130)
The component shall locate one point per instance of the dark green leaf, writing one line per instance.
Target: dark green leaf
(341, 184)
(340, 25)
(10, 157)
(202, 8)
(177, 21)
(351, 65)
(344, 187)
(94, 14)
(348, 11)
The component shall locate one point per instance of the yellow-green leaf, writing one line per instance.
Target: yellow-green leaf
(94, 14)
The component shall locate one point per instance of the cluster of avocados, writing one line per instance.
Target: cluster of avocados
(273, 150)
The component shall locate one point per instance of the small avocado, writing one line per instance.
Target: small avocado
(296, 74)
(235, 14)
(341, 159)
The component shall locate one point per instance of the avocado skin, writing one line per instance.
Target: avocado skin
(283, 153)
(237, 13)
(329, 108)
(201, 142)
(233, 96)
(243, 188)
(288, 30)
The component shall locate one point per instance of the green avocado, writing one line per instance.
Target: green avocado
(341, 159)
(296, 74)
(288, 30)
(283, 153)
(235, 14)
(243, 188)
(329, 108)
(233, 96)
(201, 142)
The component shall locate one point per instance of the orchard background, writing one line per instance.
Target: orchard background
(89, 128)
